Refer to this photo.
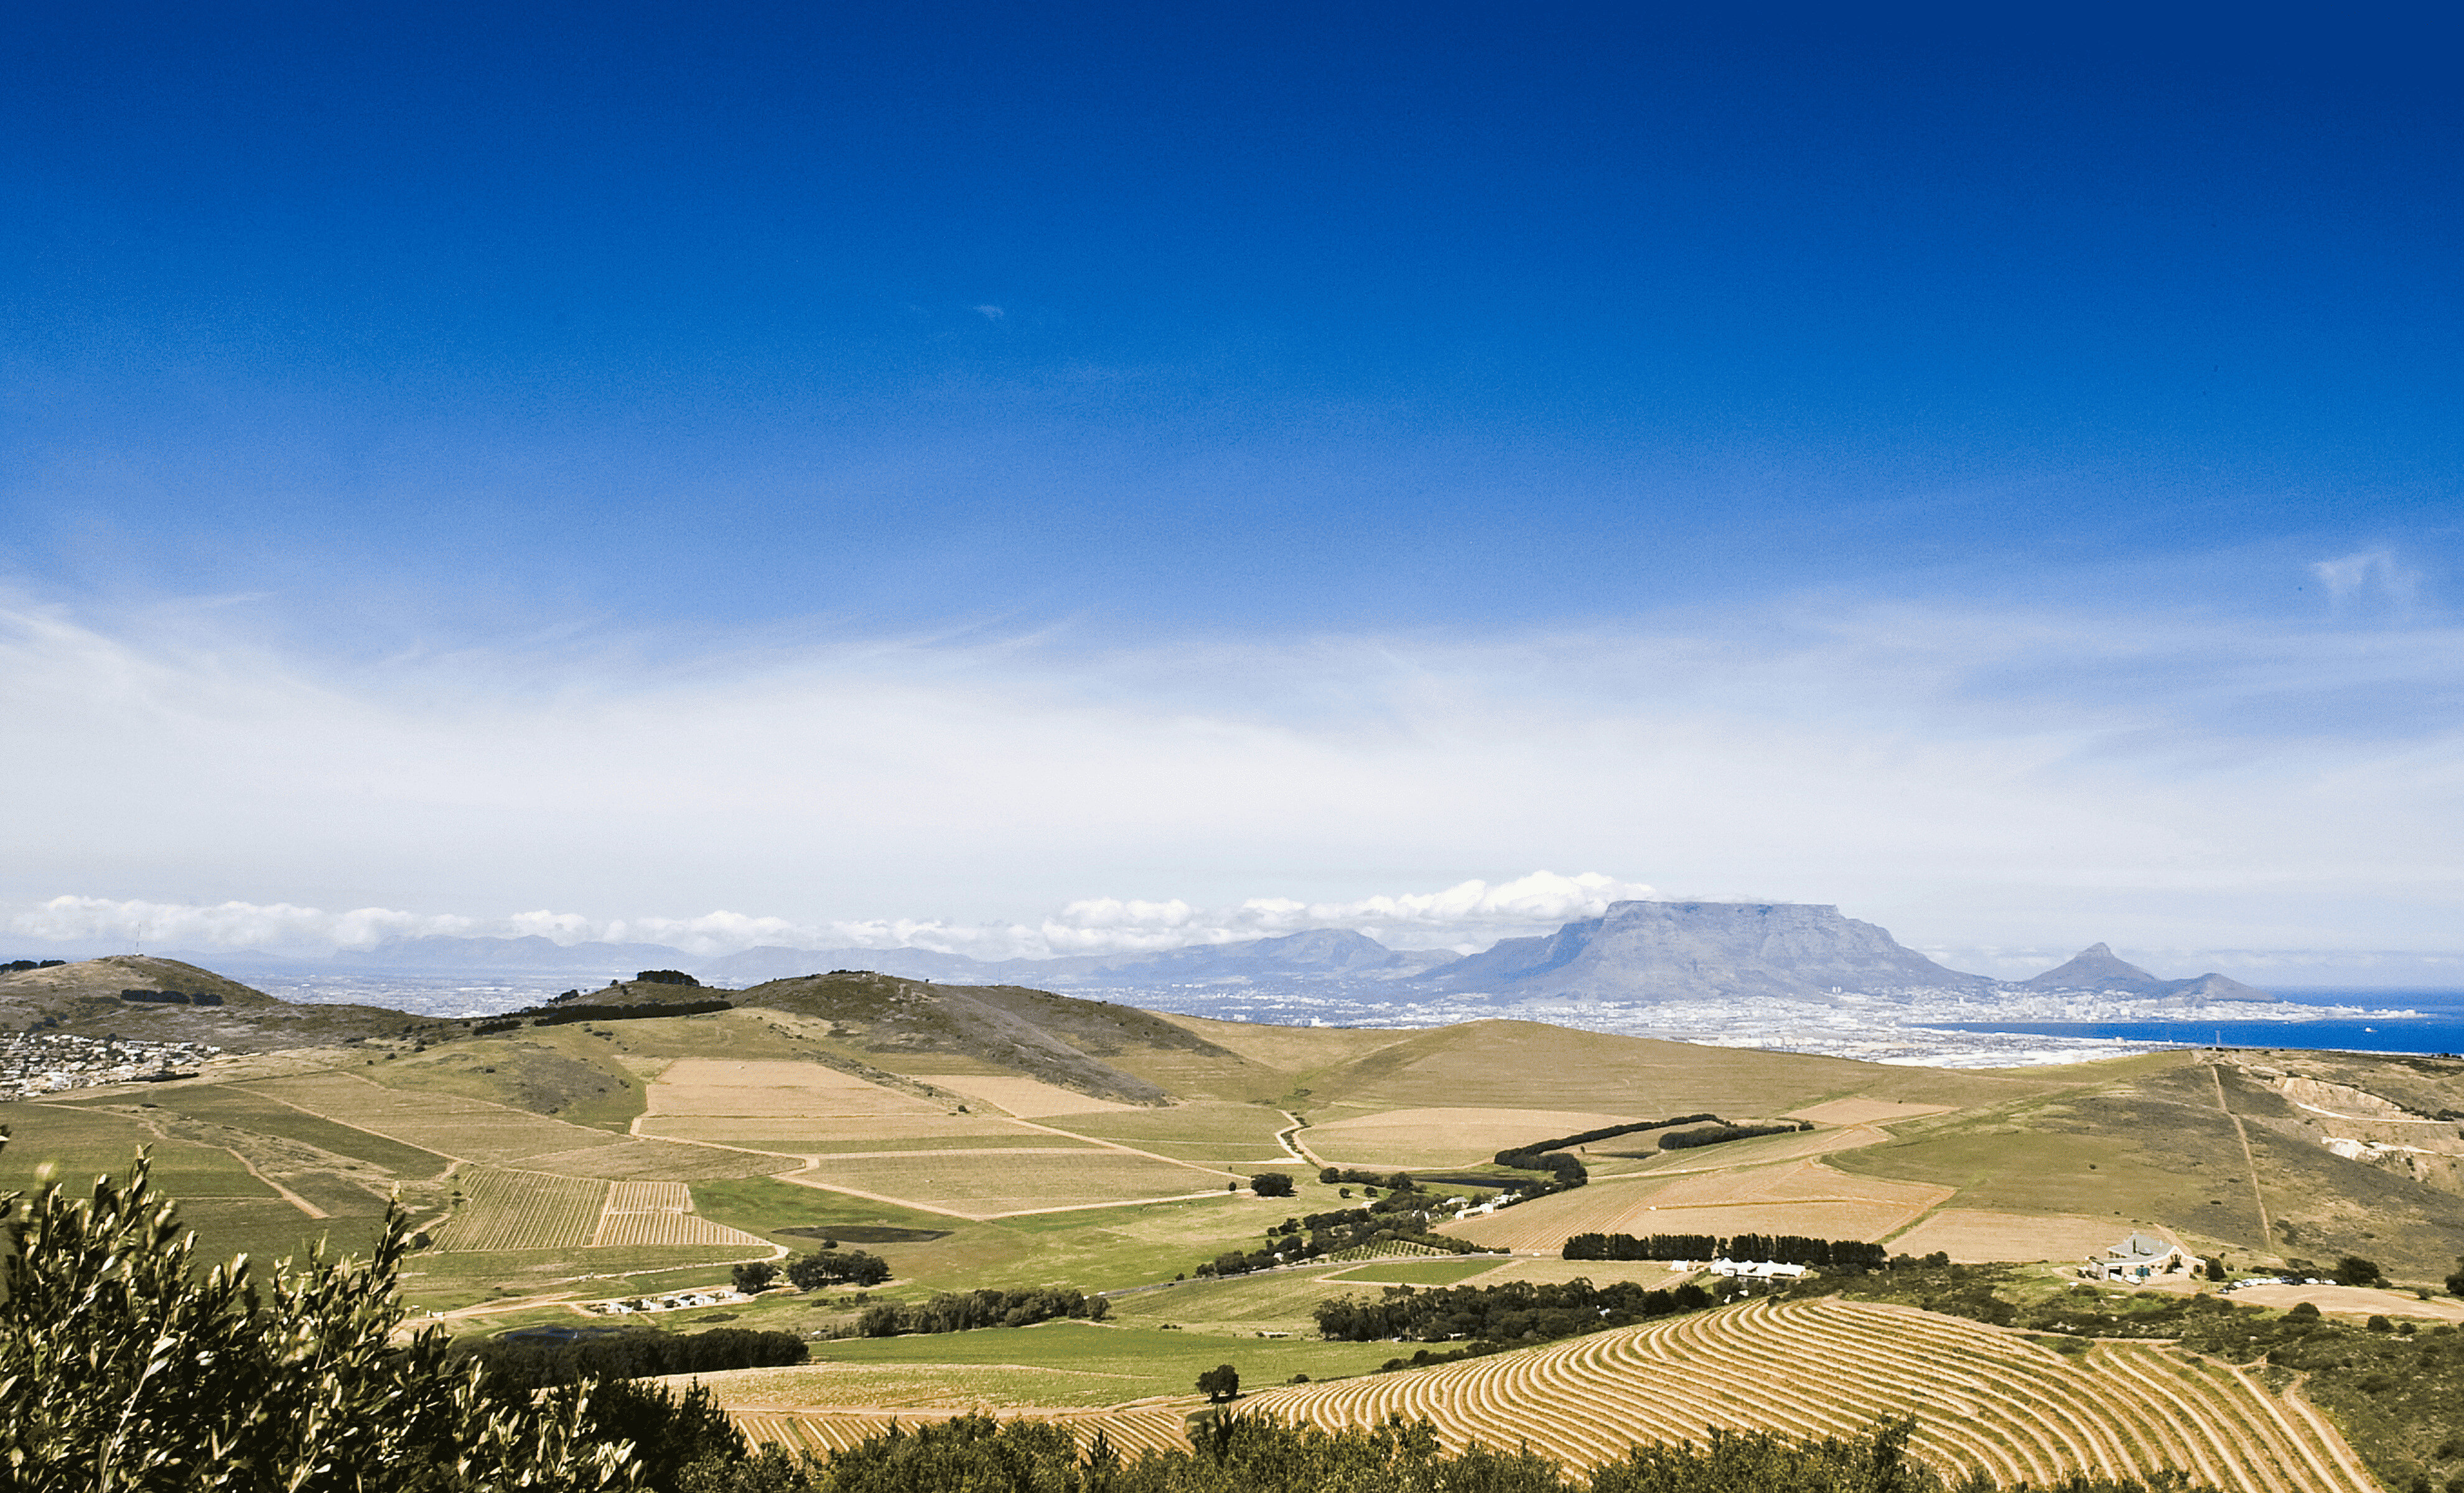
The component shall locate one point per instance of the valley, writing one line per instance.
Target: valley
(1002, 1137)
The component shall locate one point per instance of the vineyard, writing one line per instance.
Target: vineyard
(523, 1210)
(661, 1213)
(1984, 1401)
(1792, 1197)
(1131, 1428)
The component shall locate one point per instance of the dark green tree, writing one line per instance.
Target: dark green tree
(2354, 1270)
(1271, 1184)
(1220, 1383)
(754, 1276)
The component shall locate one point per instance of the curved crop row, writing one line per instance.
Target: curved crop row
(1983, 1400)
(1131, 1428)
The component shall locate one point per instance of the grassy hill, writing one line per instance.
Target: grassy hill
(87, 999)
(997, 1135)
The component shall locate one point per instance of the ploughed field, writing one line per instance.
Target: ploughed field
(1984, 1399)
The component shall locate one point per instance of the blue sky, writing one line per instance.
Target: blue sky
(1998, 477)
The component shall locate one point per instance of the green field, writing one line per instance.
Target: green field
(1416, 1272)
(1051, 1364)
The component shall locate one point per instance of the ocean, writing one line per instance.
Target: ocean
(2439, 1028)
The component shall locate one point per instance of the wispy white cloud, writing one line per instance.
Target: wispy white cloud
(2373, 575)
(2016, 775)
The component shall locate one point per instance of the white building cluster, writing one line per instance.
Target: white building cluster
(35, 1063)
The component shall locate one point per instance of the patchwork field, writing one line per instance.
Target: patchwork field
(1983, 1400)
(817, 1135)
(1792, 1197)
(1232, 1135)
(661, 1213)
(774, 1088)
(1968, 1235)
(988, 1184)
(522, 1210)
(1444, 1136)
(449, 1125)
(1025, 1097)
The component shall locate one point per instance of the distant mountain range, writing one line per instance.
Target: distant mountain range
(1635, 952)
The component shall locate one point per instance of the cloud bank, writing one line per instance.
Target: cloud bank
(1469, 915)
(1978, 776)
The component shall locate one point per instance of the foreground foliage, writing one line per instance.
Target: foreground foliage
(123, 1367)
(1250, 1454)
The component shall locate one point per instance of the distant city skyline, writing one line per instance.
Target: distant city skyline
(995, 471)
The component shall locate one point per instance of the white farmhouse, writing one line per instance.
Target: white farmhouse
(2139, 1256)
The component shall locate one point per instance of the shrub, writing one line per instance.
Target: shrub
(2354, 1270)
(128, 1367)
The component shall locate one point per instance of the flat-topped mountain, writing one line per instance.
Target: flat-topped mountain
(2098, 969)
(1704, 951)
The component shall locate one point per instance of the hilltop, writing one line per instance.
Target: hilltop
(96, 998)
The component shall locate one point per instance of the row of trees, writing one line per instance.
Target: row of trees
(1716, 1134)
(1514, 1313)
(636, 1353)
(813, 1271)
(171, 997)
(959, 1312)
(1604, 1132)
(1796, 1249)
(1401, 1181)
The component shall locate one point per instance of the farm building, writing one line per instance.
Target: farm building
(2136, 1259)
(1756, 1269)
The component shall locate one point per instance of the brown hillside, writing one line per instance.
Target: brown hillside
(1060, 1039)
(84, 999)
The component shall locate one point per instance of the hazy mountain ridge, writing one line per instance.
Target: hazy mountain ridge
(1636, 953)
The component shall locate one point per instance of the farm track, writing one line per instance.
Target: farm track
(1983, 1400)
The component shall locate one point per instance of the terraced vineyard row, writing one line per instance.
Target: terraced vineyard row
(1983, 1400)
(1131, 1428)
(523, 1210)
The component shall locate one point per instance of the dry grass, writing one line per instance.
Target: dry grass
(469, 1129)
(660, 1159)
(774, 1090)
(1971, 1235)
(1446, 1136)
(1866, 1111)
(988, 1184)
(1984, 1401)
(816, 1135)
(1023, 1096)
(1797, 1197)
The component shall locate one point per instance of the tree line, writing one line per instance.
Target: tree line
(634, 1011)
(959, 1311)
(1604, 1132)
(1715, 1135)
(1792, 1249)
(171, 997)
(634, 1353)
(1515, 1314)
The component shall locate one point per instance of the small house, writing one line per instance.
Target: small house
(2141, 1257)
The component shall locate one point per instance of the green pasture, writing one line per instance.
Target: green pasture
(436, 1280)
(244, 1108)
(1416, 1272)
(1073, 1363)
